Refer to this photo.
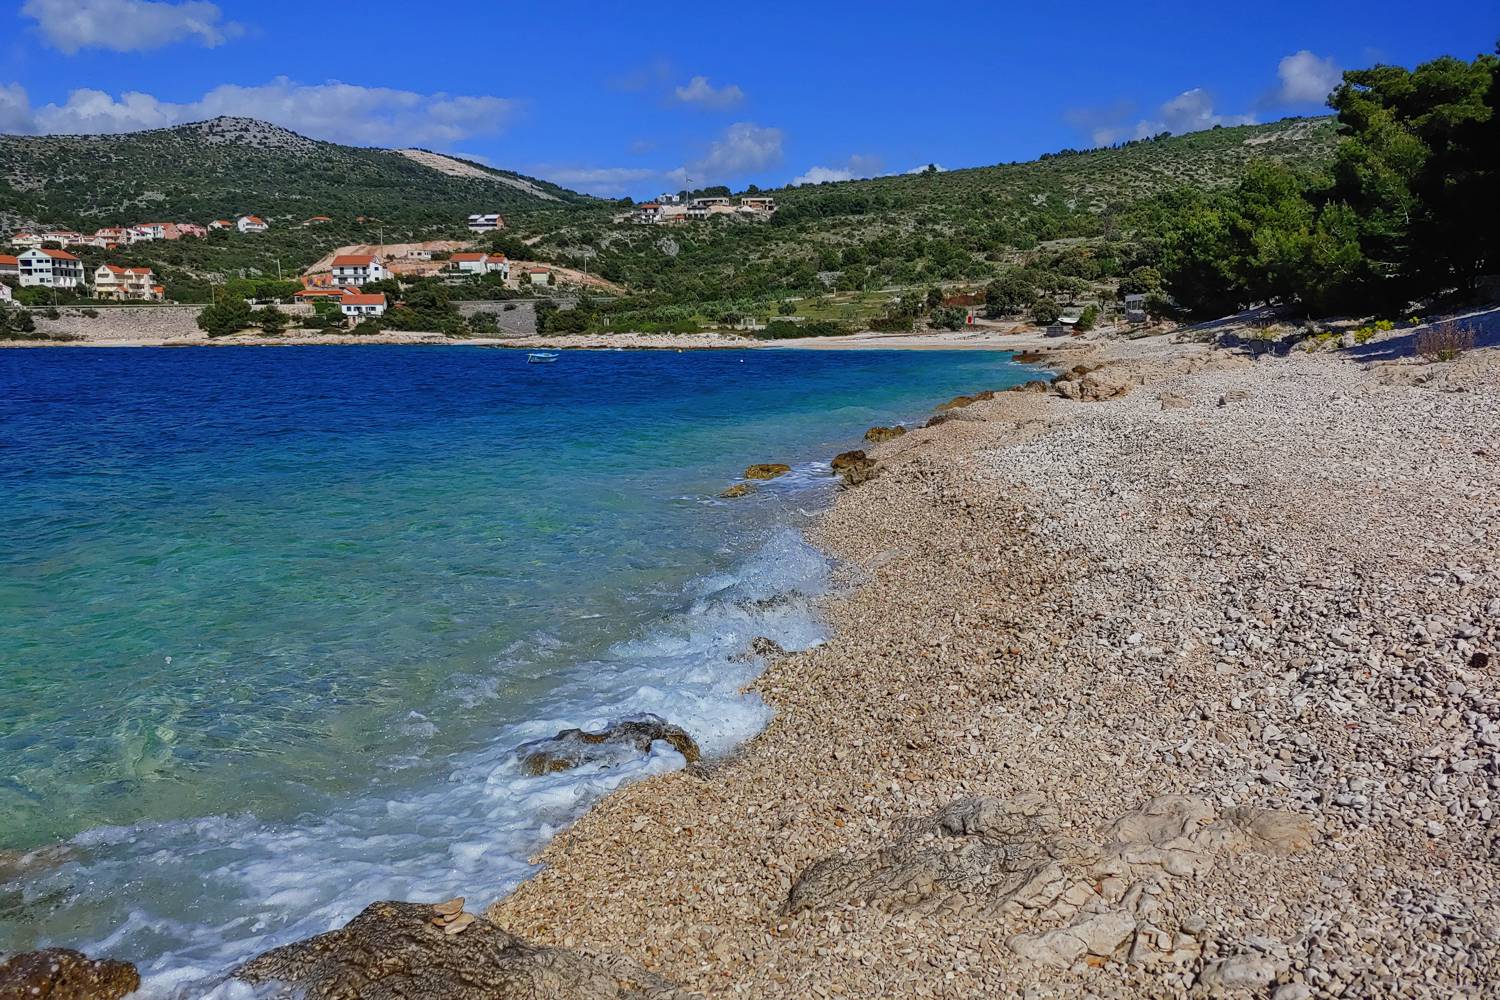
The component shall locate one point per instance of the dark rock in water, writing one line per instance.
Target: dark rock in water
(416, 951)
(761, 646)
(767, 470)
(1029, 357)
(854, 467)
(1035, 385)
(574, 747)
(736, 491)
(879, 435)
(957, 402)
(64, 974)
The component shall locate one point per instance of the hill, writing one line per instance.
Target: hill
(932, 227)
(218, 168)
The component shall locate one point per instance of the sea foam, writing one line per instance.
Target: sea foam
(200, 896)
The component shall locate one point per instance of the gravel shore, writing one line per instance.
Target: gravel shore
(1177, 679)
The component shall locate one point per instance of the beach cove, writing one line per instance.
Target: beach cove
(321, 675)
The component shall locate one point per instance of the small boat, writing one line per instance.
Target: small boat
(540, 358)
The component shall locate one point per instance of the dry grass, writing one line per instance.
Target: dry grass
(1445, 341)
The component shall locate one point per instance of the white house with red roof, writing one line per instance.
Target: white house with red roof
(49, 269)
(480, 263)
(358, 304)
(358, 269)
(221, 224)
(26, 241)
(10, 267)
(251, 224)
(123, 284)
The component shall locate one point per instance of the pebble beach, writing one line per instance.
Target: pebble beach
(1174, 681)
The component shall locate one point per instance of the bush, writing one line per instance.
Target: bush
(89, 313)
(1087, 320)
(272, 320)
(1045, 312)
(1444, 342)
(892, 324)
(949, 318)
(367, 327)
(228, 317)
(484, 322)
(781, 329)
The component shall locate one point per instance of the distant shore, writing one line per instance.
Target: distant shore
(182, 333)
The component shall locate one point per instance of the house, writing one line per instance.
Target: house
(670, 199)
(251, 224)
(539, 275)
(9, 266)
(126, 284)
(160, 230)
(710, 202)
(648, 213)
(697, 211)
(764, 206)
(480, 263)
(49, 269)
(62, 237)
(1135, 307)
(356, 304)
(26, 241)
(485, 223)
(357, 269)
(317, 220)
(313, 294)
(221, 224)
(192, 229)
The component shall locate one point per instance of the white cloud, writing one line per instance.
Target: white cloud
(700, 93)
(341, 112)
(858, 165)
(127, 25)
(1190, 111)
(15, 109)
(743, 149)
(1306, 78)
(609, 182)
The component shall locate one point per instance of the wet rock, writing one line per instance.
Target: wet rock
(64, 974)
(854, 467)
(407, 951)
(574, 747)
(1029, 357)
(957, 402)
(736, 491)
(879, 435)
(767, 470)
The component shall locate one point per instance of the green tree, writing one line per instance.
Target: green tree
(227, 317)
(1045, 312)
(1008, 294)
(272, 320)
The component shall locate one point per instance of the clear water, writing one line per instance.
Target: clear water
(272, 621)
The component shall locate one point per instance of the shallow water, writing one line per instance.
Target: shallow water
(271, 621)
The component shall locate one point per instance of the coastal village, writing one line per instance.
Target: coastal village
(45, 259)
(672, 208)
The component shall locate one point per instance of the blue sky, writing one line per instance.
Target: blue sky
(636, 98)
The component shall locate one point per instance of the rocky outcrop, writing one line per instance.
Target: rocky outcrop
(736, 491)
(418, 951)
(574, 747)
(880, 435)
(1010, 861)
(767, 470)
(854, 467)
(64, 974)
(1089, 384)
(958, 402)
(1035, 385)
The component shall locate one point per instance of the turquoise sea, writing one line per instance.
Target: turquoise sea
(273, 620)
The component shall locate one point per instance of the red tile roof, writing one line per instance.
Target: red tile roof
(9, 261)
(468, 256)
(354, 260)
(356, 299)
(56, 254)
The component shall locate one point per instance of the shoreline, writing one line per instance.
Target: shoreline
(977, 340)
(993, 638)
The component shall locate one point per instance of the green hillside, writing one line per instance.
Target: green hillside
(227, 166)
(927, 228)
